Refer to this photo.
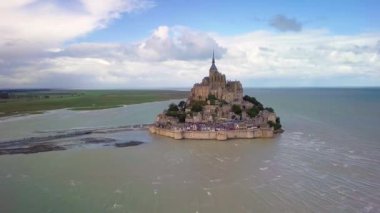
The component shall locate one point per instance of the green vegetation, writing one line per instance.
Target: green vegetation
(177, 111)
(173, 107)
(253, 112)
(212, 99)
(182, 105)
(22, 102)
(269, 109)
(277, 125)
(257, 106)
(197, 106)
(236, 109)
(253, 101)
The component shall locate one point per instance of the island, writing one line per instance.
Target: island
(217, 110)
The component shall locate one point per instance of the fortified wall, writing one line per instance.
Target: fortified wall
(213, 135)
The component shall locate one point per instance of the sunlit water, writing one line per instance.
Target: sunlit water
(326, 161)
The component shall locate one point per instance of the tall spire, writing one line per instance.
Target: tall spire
(213, 67)
(213, 58)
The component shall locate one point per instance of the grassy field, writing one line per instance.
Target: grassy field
(27, 102)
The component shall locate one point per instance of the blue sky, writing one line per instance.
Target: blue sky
(236, 17)
(167, 43)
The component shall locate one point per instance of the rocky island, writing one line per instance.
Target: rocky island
(217, 110)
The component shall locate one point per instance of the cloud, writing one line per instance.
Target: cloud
(179, 56)
(165, 43)
(168, 52)
(283, 23)
(31, 27)
(302, 58)
(180, 43)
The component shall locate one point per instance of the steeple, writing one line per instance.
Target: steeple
(213, 58)
(213, 67)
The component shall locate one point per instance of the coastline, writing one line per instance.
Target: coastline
(20, 115)
(32, 102)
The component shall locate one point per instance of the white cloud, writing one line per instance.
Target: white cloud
(180, 56)
(300, 56)
(29, 27)
(178, 43)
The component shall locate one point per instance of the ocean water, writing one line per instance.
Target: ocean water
(327, 160)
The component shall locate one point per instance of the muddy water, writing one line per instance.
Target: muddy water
(322, 163)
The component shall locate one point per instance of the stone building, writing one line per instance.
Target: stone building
(225, 115)
(217, 85)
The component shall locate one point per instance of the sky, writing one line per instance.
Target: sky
(124, 44)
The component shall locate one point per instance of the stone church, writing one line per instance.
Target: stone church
(216, 84)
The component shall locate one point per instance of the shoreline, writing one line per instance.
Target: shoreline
(5, 117)
(31, 102)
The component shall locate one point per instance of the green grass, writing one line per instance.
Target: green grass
(35, 102)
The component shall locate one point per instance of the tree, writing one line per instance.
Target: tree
(197, 106)
(253, 101)
(173, 110)
(269, 109)
(172, 113)
(253, 112)
(211, 97)
(277, 125)
(173, 107)
(182, 105)
(236, 109)
(271, 123)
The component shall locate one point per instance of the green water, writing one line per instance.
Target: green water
(326, 161)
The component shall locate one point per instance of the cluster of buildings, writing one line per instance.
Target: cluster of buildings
(203, 121)
(219, 100)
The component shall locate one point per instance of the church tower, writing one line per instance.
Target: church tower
(217, 79)
(216, 84)
(213, 68)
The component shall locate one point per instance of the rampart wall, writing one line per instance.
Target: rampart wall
(213, 135)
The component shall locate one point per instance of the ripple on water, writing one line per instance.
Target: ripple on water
(352, 180)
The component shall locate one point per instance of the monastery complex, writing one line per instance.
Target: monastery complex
(217, 110)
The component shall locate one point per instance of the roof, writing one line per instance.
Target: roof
(213, 67)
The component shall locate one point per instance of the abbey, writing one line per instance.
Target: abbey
(216, 84)
(217, 110)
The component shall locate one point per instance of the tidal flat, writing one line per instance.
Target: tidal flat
(321, 163)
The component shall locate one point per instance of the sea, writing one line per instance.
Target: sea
(327, 160)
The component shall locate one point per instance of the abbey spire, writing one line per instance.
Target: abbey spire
(213, 58)
(213, 67)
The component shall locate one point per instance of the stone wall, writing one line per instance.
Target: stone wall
(200, 92)
(216, 84)
(213, 135)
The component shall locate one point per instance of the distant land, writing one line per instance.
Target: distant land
(31, 101)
